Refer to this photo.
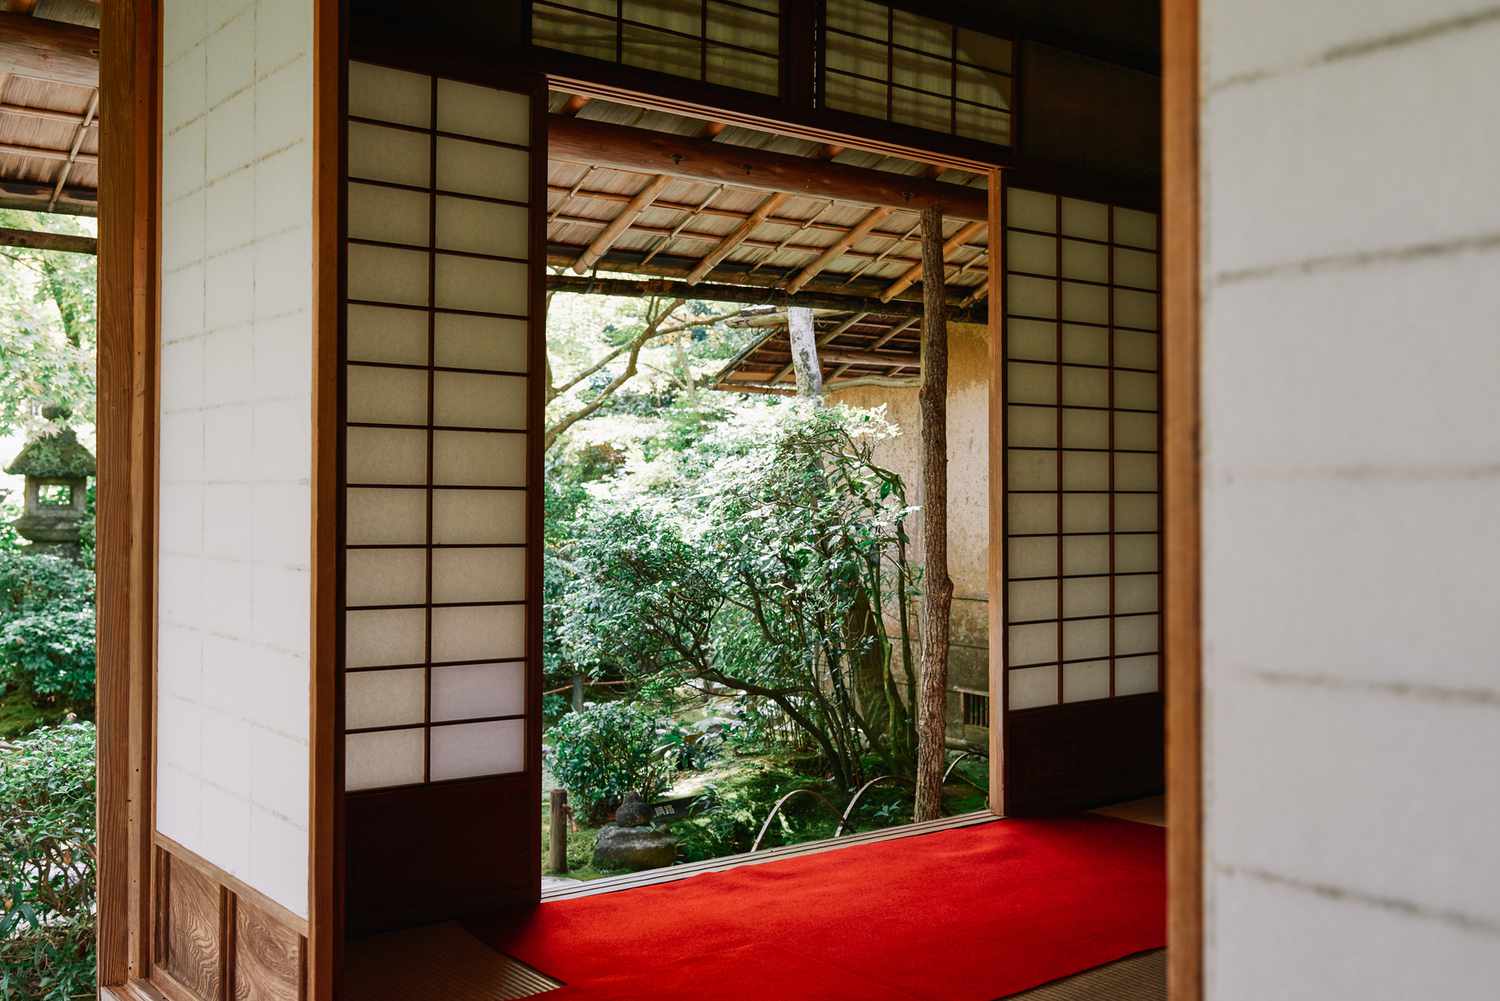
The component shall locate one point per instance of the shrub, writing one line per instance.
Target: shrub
(47, 629)
(605, 751)
(47, 856)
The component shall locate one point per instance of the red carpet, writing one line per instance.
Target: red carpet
(971, 914)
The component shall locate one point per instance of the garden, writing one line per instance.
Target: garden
(47, 844)
(730, 603)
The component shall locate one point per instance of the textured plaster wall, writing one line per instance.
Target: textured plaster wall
(236, 433)
(968, 498)
(1351, 483)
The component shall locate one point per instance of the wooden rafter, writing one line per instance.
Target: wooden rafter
(624, 147)
(620, 223)
(915, 271)
(78, 135)
(839, 248)
(726, 246)
(44, 153)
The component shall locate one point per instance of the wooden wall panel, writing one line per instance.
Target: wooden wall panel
(191, 947)
(217, 939)
(268, 957)
(1083, 754)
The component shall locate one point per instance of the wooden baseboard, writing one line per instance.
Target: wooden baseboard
(216, 938)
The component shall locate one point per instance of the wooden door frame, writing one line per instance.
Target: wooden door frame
(129, 262)
(128, 377)
(1181, 496)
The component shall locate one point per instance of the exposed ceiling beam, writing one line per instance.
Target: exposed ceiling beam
(861, 230)
(620, 223)
(626, 148)
(49, 50)
(36, 240)
(41, 153)
(738, 236)
(915, 271)
(44, 114)
(671, 289)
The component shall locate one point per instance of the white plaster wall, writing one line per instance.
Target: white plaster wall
(1351, 484)
(236, 433)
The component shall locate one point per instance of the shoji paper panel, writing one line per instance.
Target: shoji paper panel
(732, 43)
(436, 412)
(232, 619)
(884, 63)
(1082, 509)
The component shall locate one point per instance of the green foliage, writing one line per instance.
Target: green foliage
(759, 562)
(47, 327)
(47, 859)
(605, 751)
(47, 630)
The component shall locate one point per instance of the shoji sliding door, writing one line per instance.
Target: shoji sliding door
(1082, 518)
(441, 464)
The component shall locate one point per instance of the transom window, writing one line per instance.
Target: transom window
(732, 43)
(884, 63)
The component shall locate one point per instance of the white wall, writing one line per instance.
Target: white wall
(236, 433)
(1351, 490)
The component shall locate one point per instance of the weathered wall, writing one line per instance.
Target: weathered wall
(968, 500)
(1350, 483)
(236, 434)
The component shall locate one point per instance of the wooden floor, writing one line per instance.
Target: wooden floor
(445, 963)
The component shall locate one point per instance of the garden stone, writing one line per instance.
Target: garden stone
(634, 848)
(633, 812)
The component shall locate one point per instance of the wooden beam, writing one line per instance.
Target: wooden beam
(915, 271)
(861, 230)
(620, 223)
(846, 357)
(32, 239)
(626, 148)
(41, 114)
(749, 295)
(726, 246)
(49, 50)
(44, 153)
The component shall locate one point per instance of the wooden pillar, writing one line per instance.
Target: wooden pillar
(937, 597)
(557, 848)
(804, 342)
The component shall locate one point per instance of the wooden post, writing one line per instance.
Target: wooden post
(578, 693)
(937, 595)
(804, 341)
(558, 844)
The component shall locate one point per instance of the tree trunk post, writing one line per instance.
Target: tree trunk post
(558, 842)
(804, 341)
(937, 594)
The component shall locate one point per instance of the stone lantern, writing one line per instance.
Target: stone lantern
(57, 470)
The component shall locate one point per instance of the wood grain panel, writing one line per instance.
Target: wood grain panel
(218, 939)
(269, 964)
(192, 934)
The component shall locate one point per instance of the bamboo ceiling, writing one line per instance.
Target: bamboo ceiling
(856, 259)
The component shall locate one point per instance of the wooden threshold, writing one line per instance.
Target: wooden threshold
(652, 877)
